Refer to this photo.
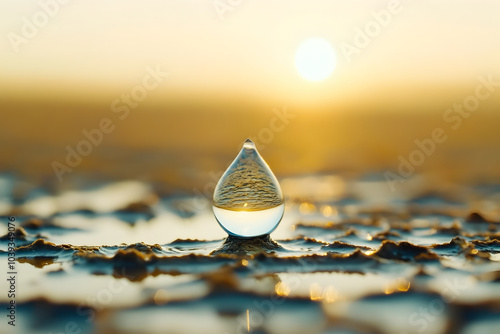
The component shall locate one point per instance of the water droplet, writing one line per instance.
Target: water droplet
(248, 201)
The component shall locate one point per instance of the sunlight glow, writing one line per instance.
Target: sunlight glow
(315, 59)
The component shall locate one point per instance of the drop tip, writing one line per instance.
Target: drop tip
(249, 144)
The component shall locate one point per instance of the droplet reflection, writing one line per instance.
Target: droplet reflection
(248, 201)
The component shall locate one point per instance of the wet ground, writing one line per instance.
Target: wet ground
(350, 256)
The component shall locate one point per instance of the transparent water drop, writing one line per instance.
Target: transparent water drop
(248, 201)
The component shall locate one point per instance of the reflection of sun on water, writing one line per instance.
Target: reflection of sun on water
(315, 59)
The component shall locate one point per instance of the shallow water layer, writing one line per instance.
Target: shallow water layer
(120, 257)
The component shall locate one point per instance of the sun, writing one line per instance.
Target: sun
(315, 59)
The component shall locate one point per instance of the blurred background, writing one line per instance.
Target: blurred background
(379, 118)
(383, 75)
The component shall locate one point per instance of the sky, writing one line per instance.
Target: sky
(215, 48)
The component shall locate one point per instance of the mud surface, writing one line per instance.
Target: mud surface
(121, 257)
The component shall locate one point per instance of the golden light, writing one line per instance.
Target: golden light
(282, 289)
(328, 211)
(161, 297)
(315, 59)
(316, 292)
(331, 295)
(248, 320)
(403, 285)
(389, 288)
(307, 208)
